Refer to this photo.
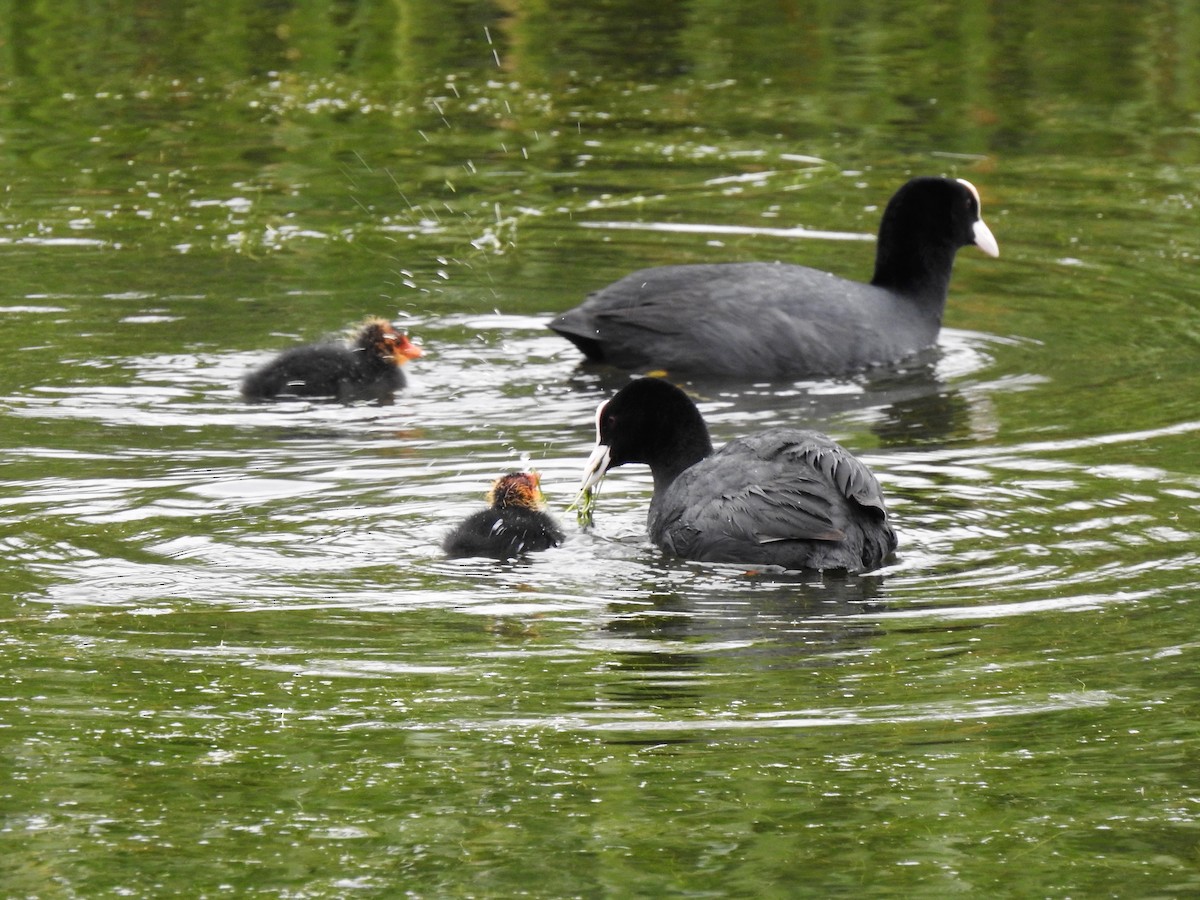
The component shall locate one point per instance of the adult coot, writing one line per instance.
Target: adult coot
(512, 525)
(770, 320)
(369, 369)
(784, 497)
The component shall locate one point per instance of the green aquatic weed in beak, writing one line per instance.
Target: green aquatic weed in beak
(589, 487)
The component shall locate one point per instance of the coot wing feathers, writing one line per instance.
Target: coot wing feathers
(853, 480)
(785, 496)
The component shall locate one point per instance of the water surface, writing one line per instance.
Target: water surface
(235, 660)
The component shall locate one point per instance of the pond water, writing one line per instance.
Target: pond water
(234, 660)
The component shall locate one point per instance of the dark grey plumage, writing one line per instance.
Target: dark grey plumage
(369, 369)
(512, 525)
(773, 320)
(784, 497)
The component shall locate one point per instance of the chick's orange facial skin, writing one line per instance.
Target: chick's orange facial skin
(519, 489)
(405, 350)
(386, 342)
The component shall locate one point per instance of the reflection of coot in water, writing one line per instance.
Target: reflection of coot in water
(922, 411)
(796, 620)
(512, 525)
(769, 320)
(369, 369)
(784, 497)
(904, 406)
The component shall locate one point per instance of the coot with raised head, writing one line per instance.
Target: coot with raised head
(771, 320)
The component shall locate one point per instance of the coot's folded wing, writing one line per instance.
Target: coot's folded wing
(780, 485)
(756, 319)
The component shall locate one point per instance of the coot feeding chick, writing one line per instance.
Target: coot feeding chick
(512, 525)
(784, 497)
(771, 320)
(368, 369)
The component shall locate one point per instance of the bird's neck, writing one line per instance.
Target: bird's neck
(908, 267)
(681, 455)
